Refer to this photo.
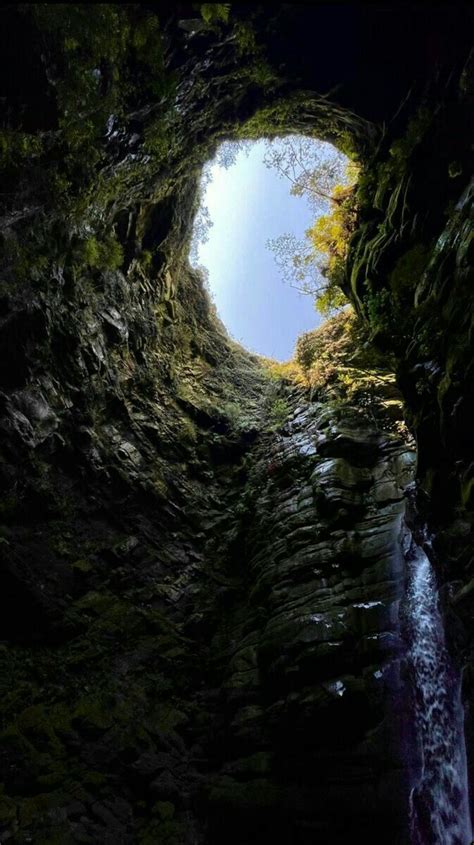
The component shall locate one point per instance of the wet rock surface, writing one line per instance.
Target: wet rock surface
(311, 653)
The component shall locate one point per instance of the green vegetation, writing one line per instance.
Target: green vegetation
(340, 366)
(103, 62)
(214, 12)
(106, 254)
(278, 412)
(17, 147)
(386, 260)
(320, 175)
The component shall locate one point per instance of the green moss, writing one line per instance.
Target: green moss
(93, 778)
(16, 147)
(168, 718)
(165, 832)
(13, 741)
(8, 505)
(102, 605)
(402, 149)
(54, 779)
(82, 565)
(8, 808)
(164, 809)
(467, 492)
(93, 712)
(105, 254)
(58, 836)
(278, 412)
(215, 12)
(455, 169)
(258, 764)
(408, 270)
(159, 138)
(379, 307)
(255, 794)
(33, 809)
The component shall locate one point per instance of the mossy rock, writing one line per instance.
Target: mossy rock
(408, 270)
(259, 793)
(93, 712)
(35, 808)
(8, 809)
(164, 809)
(94, 778)
(257, 764)
(165, 832)
(82, 565)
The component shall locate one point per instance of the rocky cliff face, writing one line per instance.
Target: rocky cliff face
(227, 654)
(309, 653)
(200, 603)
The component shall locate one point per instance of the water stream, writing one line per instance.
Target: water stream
(439, 804)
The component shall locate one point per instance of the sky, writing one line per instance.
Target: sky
(248, 204)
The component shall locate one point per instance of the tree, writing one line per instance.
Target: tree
(310, 272)
(320, 173)
(201, 226)
(312, 167)
(202, 221)
(295, 260)
(227, 152)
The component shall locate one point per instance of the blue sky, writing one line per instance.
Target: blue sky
(249, 203)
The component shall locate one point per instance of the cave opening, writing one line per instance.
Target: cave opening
(266, 230)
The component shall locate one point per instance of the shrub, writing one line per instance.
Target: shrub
(102, 255)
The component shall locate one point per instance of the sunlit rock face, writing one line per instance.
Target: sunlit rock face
(199, 615)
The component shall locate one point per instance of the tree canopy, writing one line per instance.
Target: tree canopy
(322, 176)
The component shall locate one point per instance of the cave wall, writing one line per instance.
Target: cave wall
(157, 650)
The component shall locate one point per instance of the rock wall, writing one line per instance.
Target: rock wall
(314, 705)
(228, 660)
(199, 608)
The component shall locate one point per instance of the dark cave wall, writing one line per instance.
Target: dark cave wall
(136, 486)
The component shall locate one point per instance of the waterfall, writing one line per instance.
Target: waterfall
(439, 803)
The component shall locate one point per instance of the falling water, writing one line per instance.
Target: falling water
(439, 811)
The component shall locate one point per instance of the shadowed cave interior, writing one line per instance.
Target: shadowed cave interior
(224, 587)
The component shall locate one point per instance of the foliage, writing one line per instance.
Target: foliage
(316, 266)
(202, 221)
(312, 167)
(92, 48)
(215, 12)
(329, 237)
(402, 149)
(408, 270)
(106, 254)
(390, 309)
(100, 61)
(287, 371)
(339, 362)
(245, 38)
(278, 412)
(15, 147)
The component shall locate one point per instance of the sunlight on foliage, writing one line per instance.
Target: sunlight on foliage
(341, 365)
(323, 176)
(104, 255)
(288, 371)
